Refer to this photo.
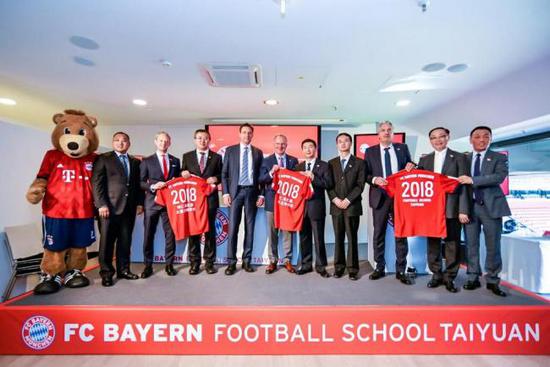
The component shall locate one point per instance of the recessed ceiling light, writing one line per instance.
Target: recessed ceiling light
(139, 102)
(84, 42)
(433, 67)
(457, 68)
(403, 103)
(7, 101)
(271, 102)
(83, 61)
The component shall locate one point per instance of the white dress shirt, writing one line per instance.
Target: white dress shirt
(474, 156)
(347, 157)
(439, 158)
(250, 165)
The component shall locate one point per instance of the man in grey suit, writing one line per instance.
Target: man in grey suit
(242, 189)
(488, 170)
(457, 207)
(279, 159)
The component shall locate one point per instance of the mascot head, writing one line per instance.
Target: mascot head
(74, 133)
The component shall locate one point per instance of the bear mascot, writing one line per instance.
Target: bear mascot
(64, 185)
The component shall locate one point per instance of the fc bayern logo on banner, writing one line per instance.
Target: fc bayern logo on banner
(222, 227)
(38, 332)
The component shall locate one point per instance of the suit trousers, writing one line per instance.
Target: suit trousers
(450, 249)
(209, 254)
(116, 230)
(313, 231)
(246, 198)
(380, 218)
(346, 226)
(273, 240)
(150, 223)
(492, 230)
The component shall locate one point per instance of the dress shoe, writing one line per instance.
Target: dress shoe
(353, 276)
(248, 268)
(210, 269)
(194, 269)
(231, 269)
(147, 272)
(377, 274)
(271, 268)
(434, 283)
(450, 286)
(169, 269)
(303, 271)
(324, 274)
(107, 281)
(403, 278)
(289, 267)
(470, 285)
(338, 274)
(127, 275)
(496, 290)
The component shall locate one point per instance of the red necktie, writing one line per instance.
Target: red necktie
(164, 167)
(202, 163)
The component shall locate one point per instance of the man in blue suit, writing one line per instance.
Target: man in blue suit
(242, 189)
(488, 171)
(279, 159)
(381, 161)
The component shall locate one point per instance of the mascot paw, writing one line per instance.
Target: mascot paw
(37, 190)
(48, 284)
(75, 279)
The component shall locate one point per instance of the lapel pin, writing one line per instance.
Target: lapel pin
(488, 159)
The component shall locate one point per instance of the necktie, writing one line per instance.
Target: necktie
(343, 163)
(124, 160)
(478, 193)
(308, 168)
(243, 180)
(164, 166)
(281, 162)
(387, 161)
(202, 162)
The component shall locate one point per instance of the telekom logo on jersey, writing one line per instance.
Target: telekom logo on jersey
(68, 175)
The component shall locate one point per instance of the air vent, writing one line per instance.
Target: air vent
(233, 76)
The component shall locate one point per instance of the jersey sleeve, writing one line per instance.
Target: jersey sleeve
(275, 182)
(159, 198)
(308, 188)
(46, 166)
(448, 184)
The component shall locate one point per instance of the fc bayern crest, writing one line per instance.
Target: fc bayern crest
(222, 227)
(38, 332)
(88, 166)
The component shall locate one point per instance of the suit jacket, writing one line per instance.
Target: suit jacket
(494, 169)
(454, 165)
(322, 181)
(151, 173)
(266, 180)
(373, 168)
(232, 168)
(212, 168)
(111, 188)
(348, 184)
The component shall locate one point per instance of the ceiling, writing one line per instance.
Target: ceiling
(324, 59)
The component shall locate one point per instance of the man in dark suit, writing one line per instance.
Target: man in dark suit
(206, 164)
(241, 188)
(118, 198)
(488, 170)
(270, 165)
(457, 207)
(381, 161)
(313, 226)
(345, 205)
(156, 170)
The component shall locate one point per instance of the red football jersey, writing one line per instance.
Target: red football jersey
(292, 190)
(419, 202)
(185, 200)
(69, 188)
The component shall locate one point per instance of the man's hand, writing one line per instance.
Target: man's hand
(211, 180)
(104, 212)
(339, 203)
(465, 180)
(410, 166)
(380, 181)
(139, 210)
(308, 174)
(260, 201)
(345, 204)
(185, 174)
(274, 169)
(227, 200)
(463, 218)
(158, 186)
